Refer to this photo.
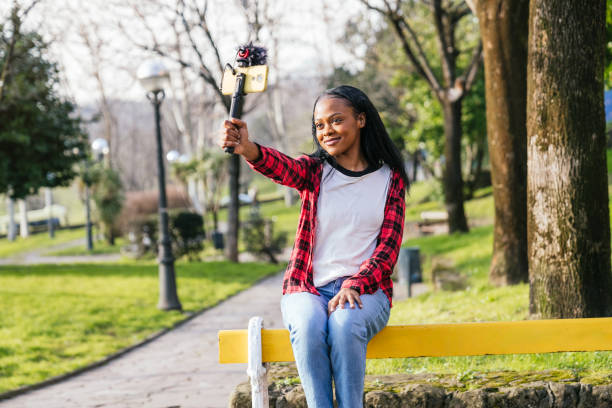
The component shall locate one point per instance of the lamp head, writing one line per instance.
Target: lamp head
(99, 147)
(153, 75)
(172, 156)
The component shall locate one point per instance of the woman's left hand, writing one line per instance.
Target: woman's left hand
(345, 295)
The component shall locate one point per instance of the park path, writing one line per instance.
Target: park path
(179, 369)
(38, 256)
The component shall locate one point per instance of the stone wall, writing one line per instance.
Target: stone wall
(398, 391)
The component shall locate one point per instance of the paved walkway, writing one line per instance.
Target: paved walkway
(180, 369)
(38, 256)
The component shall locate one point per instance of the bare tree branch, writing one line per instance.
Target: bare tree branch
(203, 24)
(428, 71)
(395, 9)
(446, 51)
(187, 27)
(462, 10)
(29, 8)
(373, 8)
(469, 75)
(419, 58)
(202, 70)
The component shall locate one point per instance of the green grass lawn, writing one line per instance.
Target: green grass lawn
(38, 242)
(480, 302)
(427, 196)
(58, 318)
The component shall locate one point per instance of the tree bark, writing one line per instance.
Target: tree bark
(503, 27)
(568, 226)
(451, 178)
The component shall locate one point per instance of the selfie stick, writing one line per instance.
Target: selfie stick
(250, 75)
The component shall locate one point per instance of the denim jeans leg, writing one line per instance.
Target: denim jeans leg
(349, 331)
(305, 316)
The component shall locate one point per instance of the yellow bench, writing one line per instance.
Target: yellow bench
(257, 346)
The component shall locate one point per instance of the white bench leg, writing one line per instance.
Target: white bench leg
(256, 369)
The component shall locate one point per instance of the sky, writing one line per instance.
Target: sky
(309, 36)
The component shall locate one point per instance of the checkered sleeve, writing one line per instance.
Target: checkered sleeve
(375, 272)
(283, 169)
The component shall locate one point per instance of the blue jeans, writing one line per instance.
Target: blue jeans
(332, 346)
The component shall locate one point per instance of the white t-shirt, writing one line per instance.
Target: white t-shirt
(350, 213)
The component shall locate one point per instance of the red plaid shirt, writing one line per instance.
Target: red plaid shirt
(304, 174)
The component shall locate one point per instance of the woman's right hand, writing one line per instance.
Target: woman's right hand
(236, 134)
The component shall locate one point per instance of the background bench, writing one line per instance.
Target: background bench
(430, 220)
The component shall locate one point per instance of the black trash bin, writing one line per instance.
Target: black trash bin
(409, 267)
(217, 239)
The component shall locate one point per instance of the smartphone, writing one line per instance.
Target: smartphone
(256, 79)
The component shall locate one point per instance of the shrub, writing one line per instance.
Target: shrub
(142, 204)
(260, 239)
(186, 234)
(109, 198)
(187, 230)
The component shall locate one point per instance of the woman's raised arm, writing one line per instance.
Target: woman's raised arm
(279, 167)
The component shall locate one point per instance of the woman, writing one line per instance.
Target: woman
(337, 287)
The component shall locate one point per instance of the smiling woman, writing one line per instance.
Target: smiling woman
(337, 287)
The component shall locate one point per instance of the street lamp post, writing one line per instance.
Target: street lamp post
(153, 76)
(88, 207)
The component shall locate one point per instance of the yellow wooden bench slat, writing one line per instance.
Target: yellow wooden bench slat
(456, 339)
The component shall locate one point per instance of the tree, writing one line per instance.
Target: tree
(10, 34)
(503, 28)
(449, 90)
(40, 136)
(568, 226)
(108, 195)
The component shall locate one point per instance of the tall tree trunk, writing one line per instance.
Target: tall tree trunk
(568, 226)
(451, 179)
(24, 230)
(503, 26)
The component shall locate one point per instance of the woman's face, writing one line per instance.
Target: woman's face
(337, 126)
